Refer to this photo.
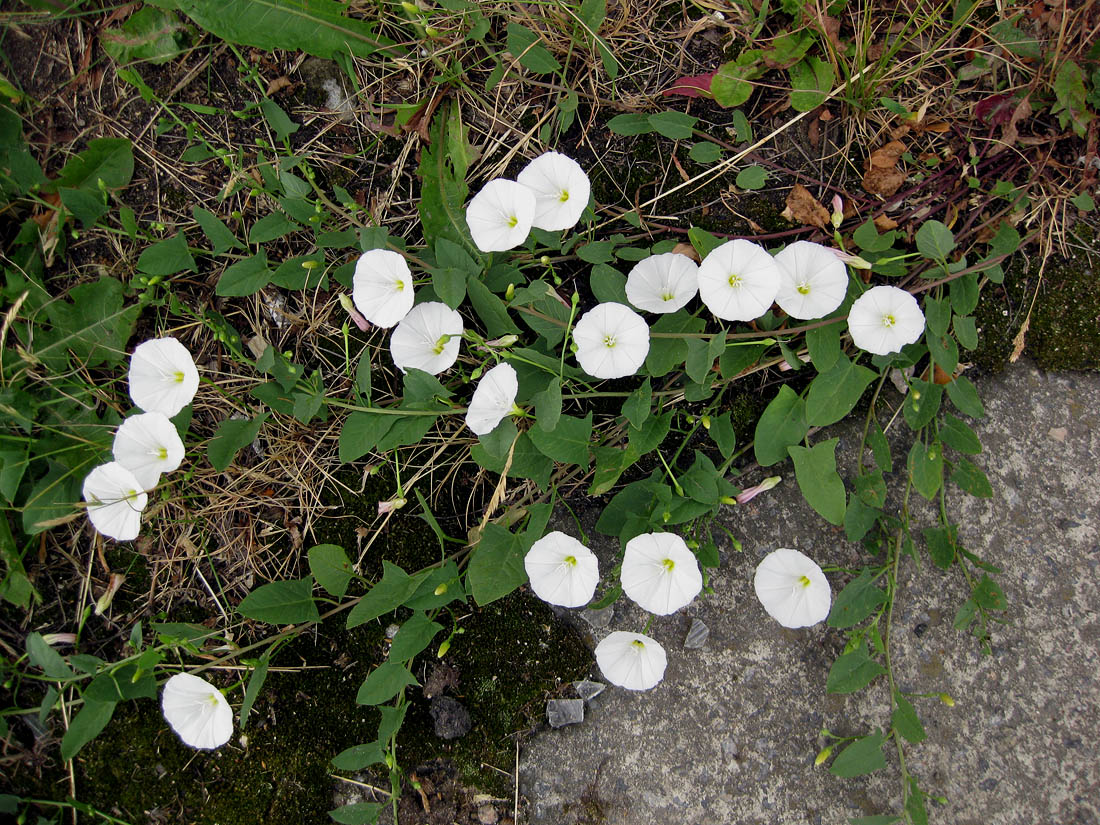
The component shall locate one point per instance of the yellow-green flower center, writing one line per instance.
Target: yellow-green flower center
(736, 280)
(512, 221)
(889, 320)
(571, 561)
(398, 286)
(440, 344)
(162, 453)
(638, 643)
(564, 196)
(177, 376)
(803, 288)
(609, 341)
(668, 564)
(667, 296)
(804, 581)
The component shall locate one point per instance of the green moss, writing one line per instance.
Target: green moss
(1064, 331)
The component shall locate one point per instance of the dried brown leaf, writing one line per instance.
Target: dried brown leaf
(884, 223)
(804, 208)
(687, 249)
(886, 157)
(884, 182)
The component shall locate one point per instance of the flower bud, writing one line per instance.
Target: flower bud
(59, 638)
(108, 596)
(705, 421)
(353, 313)
(822, 755)
(443, 648)
(837, 217)
(545, 260)
(439, 591)
(510, 292)
(947, 700)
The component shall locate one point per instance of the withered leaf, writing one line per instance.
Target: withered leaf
(803, 208)
(884, 182)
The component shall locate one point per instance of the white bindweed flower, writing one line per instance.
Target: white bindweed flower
(561, 190)
(792, 588)
(427, 338)
(382, 287)
(493, 399)
(562, 570)
(162, 376)
(813, 280)
(115, 501)
(148, 445)
(197, 711)
(663, 283)
(738, 280)
(631, 660)
(884, 319)
(612, 341)
(500, 215)
(660, 573)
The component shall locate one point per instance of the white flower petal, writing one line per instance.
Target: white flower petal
(562, 570)
(612, 341)
(631, 660)
(493, 399)
(813, 280)
(148, 445)
(197, 711)
(663, 283)
(115, 501)
(382, 287)
(427, 338)
(500, 215)
(561, 190)
(792, 588)
(162, 376)
(884, 319)
(660, 573)
(738, 280)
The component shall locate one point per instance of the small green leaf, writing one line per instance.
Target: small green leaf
(281, 602)
(387, 595)
(965, 397)
(415, 635)
(853, 671)
(525, 45)
(255, 684)
(811, 81)
(638, 406)
(244, 277)
(835, 393)
(358, 757)
(361, 434)
(110, 160)
(752, 178)
(858, 600)
(905, 720)
(925, 465)
(971, 478)
(935, 241)
(232, 435)
(705, 152)
(861, 757)
(782, 424)
(824, 346)
(548, 405)
(630, 124)
(86, 726)
(46, 658)
(988, 595)
(271, 227)
(608, 284)
(331, 568)
(496, 566)
(673, 125)
(216, 232)
(568, 443)
(384, 682)
(815, 469)
(167, 257)
(277, 119)
(449, 285)
(941, 545)
(357, 813)
(921, 403)
(957, 434)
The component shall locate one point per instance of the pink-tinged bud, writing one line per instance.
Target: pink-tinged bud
(853, 261)
(838, 211)
(752, 492)
(353, 313)
(112, 587)
(59, 639)
(506, 341)
(389, 506)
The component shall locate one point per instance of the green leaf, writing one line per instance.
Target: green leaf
(1084, 202)
(446, 577)
(415, 635)
(905, 720)
(387, 595)
(925, 465)
(853, 671)
(880, 447)
(937, 314)
(149, 35)
(611, 463)
(608, 284)
(167, 257)
(86, 726)
(824, 346)
(449, 285)
(526, 46)
(331, 568)
(835, 393)
(815, 469)
(782, 424)
(921, 403)
(943, 349)
(281, 602)
(548, 405)
(317, 27)
(957, 434)
(216, 232)
(357, 813)
(965, 331)
(358, 757)
(673, 125)
(859, 518)
(630, 124)
(877, 819)
(46, 658)
(490, 309)
(941, 545)
(256, 681)
(406, 430)
(988, 595)
(569, 441)
(811, 81)
(704, 242)
(496, 566)
(1071, 107)
(858, 600)
(730, 84)
(110, 160)
(638, 406)
(384, 682)
(86, 206)
(752, 178)
(120, 685)
(92, 324)
(361, 434)
(271, 227)
(244, 277)
(277, 119)
(862, 757)
(442, 173)
(232, 435)
(422, 391)
(705, 152)
(971, 478)
(935, 241)
(964, 396)
(723, 434)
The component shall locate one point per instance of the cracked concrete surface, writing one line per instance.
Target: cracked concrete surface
(731, 733)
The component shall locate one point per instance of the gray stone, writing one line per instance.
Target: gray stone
(562, 712)
(450, 719)
(730, 735)
(697, 635)
(589, 690)
(598, 619)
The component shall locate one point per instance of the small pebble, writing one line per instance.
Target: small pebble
(450, 719)
(589, 690)
(562, 712)
(487, 815)
(599, 619)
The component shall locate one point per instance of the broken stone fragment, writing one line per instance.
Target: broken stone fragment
(589, 690)
(561, 712)
(697, 635)
(450, 718)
